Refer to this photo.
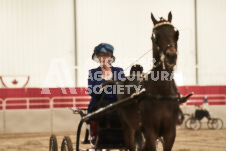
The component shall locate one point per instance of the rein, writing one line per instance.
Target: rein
(138, 59)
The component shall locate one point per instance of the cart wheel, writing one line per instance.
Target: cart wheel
(85, 140)
(180, 118)
(94, 141)
(159, 144)
(66, 144)
(217, 123)
(195, 124)
(209, 124)
(53, 143)
(187, 123)
(220, 123)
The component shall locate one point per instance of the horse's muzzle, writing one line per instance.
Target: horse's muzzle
(171, 57)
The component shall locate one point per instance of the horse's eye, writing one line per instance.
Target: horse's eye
(154, 37)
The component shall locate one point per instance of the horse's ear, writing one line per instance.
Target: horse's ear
(153, 19)
(170, 16)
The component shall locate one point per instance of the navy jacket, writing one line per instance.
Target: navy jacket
(94, 82)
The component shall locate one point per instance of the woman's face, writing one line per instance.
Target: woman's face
(104, 59)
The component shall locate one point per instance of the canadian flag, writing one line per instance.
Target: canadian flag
(14, 81)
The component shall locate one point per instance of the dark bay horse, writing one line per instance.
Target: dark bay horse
(159, 115)
(156, 114)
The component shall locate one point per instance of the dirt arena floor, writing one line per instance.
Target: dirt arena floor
(186, 140)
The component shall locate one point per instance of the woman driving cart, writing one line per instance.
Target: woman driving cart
(103, 54)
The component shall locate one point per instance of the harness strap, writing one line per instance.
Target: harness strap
(162, 23)
(143, 94)
(161, 97)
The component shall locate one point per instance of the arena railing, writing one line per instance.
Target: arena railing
(78, 101)
(83, 101)
(213, 99)
(1, 104)
(44, 102)
(27, 103)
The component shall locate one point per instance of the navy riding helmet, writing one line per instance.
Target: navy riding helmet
(105, 48)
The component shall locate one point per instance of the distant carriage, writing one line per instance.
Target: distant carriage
(194, 120)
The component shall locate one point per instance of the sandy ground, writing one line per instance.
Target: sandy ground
(186, 140)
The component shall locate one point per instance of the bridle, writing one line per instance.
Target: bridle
(156, 45)
(161, 62)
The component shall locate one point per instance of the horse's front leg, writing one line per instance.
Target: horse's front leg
(129, 136)
(169, 139)
(150, 140)
(139, 141)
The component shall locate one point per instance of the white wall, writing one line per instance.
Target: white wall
(211, 41)
(41, 120)
(27, 121)
(32, 33)
(127, 26)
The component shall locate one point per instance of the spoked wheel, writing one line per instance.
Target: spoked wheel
(180, 118)
(209, 124)
(66, 144)
(94, 141)
(53, 143)
(215, 123)
(193, 123)
(159, 144)
(187, 123)
(85, 132)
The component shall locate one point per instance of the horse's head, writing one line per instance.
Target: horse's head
(164, 38)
